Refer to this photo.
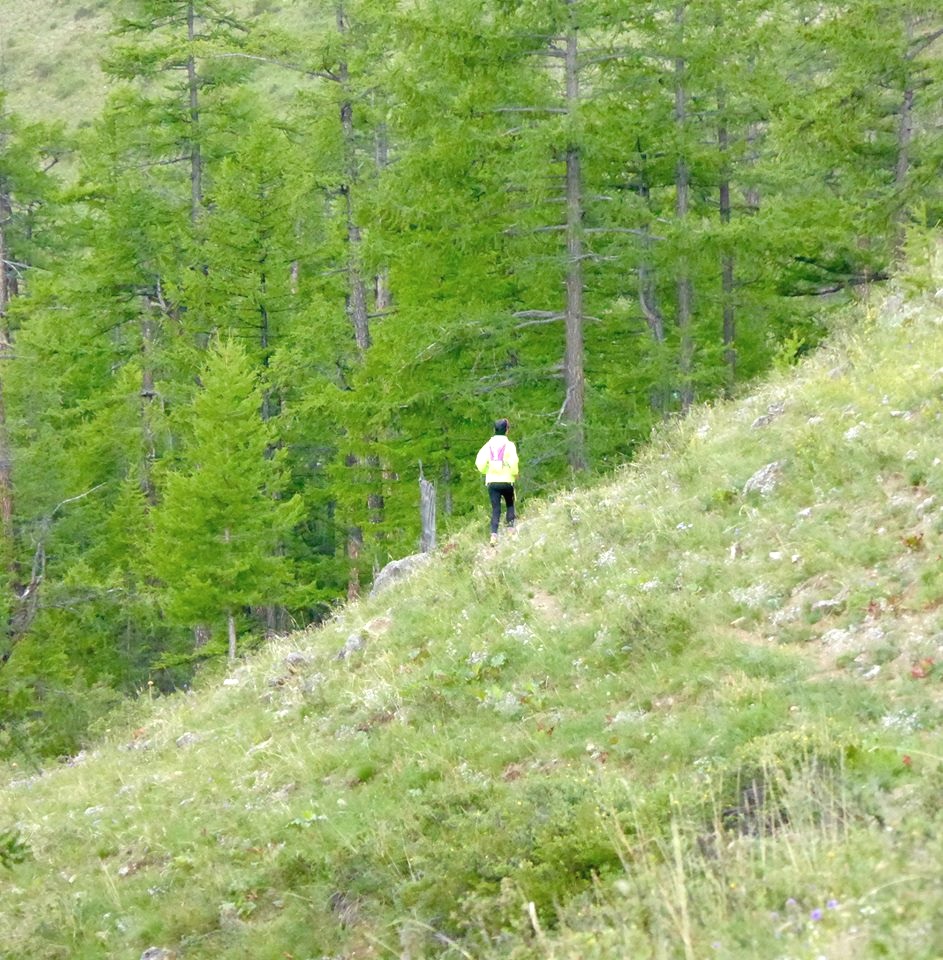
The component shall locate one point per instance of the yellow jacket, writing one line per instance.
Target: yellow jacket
(497, 460)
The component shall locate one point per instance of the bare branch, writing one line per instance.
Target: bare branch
(27, 599)
(79, 496)
(538, 323)
(536, 318)
(923, 42)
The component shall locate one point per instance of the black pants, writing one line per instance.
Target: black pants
(497, 492)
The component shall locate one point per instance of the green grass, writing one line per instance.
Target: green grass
(672, 718)
(49, 56)
(51, 51)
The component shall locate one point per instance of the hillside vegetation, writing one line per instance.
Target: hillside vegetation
(296, 253)
(692, 712)
(51, 53)
(49, 58)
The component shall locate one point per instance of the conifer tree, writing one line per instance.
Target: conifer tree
(219, 525)
(27, 154)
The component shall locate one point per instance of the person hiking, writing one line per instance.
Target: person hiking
(497, 460)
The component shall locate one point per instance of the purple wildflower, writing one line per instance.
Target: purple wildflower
(816, 914)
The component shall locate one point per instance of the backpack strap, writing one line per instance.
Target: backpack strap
(500, 457)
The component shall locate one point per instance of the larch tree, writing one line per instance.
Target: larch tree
(220, 523)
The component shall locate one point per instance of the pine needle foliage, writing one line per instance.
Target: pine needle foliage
(217, 531)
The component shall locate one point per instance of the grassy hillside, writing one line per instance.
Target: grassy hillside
(695, 712)
(50, 51)
(49, 55)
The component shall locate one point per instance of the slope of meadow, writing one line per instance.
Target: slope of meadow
(49, 56)
(693, 712)
(51, 51)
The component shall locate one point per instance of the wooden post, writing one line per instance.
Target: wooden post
(426, 513)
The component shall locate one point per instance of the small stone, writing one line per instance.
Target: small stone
(765, 479)
(159, 953)
(353, 644)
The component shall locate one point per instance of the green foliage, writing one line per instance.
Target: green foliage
(669, 711)
(372, 201)
(221, 520)
(13, 849)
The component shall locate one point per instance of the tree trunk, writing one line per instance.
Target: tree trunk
(7, 292)
(648, 299)
(574, 359)
(231, 633)
(8, 283)
(905, 131)
(751, 195)
(356, 288)
(427, 504)
(727, 270)
(271, 614)
(646, 278)
(196, 160)
(230, 619)
(383, 297)
(682, 186)
(354, 550)
(148, 403)
(271, 404)
(448, 504)
(6, 455)
(8, 289)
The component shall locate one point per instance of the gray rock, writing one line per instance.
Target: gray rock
(158, 953)
(765, 479)
(772, 412)
(397, 570)
(354, 643)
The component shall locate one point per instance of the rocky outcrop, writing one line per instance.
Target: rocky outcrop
(397, 570)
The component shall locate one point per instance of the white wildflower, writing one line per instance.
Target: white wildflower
(901, 720)
(628, 716)
(522, 633)
(753, 596)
